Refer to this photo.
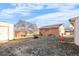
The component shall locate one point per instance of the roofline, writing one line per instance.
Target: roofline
(43, 27)
(49, 28)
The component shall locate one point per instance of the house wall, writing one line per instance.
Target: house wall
(61, 30)
(18, 34)
(76, 27)
(75, 23)
(48, 31)
(69, 34)
(53, 31)
(9, 31)
(23, 34)
(3, 33)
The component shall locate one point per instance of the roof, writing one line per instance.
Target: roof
(72, 20)
(69, 29)
(52, 26)
(5, 24)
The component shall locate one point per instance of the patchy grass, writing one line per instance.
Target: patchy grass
(43, 46)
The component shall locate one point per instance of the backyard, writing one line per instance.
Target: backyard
(42, 46)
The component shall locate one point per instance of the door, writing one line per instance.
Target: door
(4, 34)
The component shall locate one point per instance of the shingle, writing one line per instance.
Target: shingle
(52, 26)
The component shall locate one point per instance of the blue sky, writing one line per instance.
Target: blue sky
(40, 13)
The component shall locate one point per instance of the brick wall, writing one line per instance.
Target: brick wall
(48, 31)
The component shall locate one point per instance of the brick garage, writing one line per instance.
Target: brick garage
(51, 30)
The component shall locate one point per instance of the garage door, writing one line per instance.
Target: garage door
(4, 34)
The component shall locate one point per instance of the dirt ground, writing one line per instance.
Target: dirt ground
(42, 46)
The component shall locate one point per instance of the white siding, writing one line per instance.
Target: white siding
(61, 30)
(3, 33)
(11, 32)
(6, 32)
(76, 31)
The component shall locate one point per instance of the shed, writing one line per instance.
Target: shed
(6, 32)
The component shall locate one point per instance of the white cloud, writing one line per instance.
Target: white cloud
(58, 17)
(29, 6)
(26, 8)
(65, 11)
(20, 8)
(61, 5)
(38, 6)
(11, 12)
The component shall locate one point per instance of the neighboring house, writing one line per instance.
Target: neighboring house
(72, 20)
(20, 34)
(69, 32)
(75, 22)
(6, 32)
(57, 30)
(25, 29)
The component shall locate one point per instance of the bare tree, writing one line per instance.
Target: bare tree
(26, 27)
